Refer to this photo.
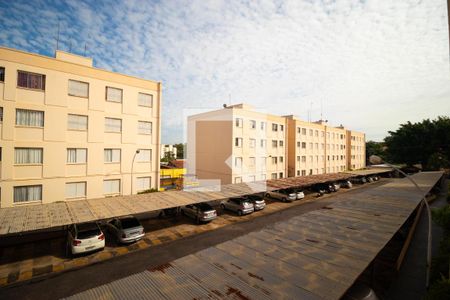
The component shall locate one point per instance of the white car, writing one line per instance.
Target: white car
(85, 237)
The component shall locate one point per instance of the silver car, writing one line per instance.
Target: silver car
(257, 200)
(200, 212)
(126, 229)
(239, 205)
(282, 195)
(299, 193)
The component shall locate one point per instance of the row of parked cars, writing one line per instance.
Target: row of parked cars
(87, 237)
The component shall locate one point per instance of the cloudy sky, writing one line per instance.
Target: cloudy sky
(369, 65)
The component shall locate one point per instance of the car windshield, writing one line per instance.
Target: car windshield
(87, 230)
(254, 197)
(129, 223)
(204, 206)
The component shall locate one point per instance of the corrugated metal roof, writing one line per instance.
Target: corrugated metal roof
(41, 216)
(317, 255)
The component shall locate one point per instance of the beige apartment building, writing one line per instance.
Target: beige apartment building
(238, 144)
(71, 131)
(317, 148)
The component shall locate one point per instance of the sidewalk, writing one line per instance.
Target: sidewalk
(410, 283)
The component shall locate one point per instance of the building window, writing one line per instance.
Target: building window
(114, 94)
(30, 80)
(25, 156)
(263, 162)
(281, 143)
(143, 183)
(263, 176)
(112, 155)
(27, 193)
(281, 174)
(31, 118)
(2, 74)
(251, 162)
(1, 114)
(316, 133)
(263, 143)
(144, 127)
(274, 160)
(281, 159)
(310, 132)
(311, 146)
(274, 144)
(273, 175)
(281, 127)
(238, 142)
(252, 124)
(303, 158)
(298, 144)
(113, 125)
(239, 122)
(238, 162)
(303, 145)
(145, 155)
(274, 127)
(76, 155)
(303, 131)
(78, 88)
(237, 179)
(303, 172)
(76, 189)
(145, 100)
(263, 125)
(77, 122)
(111, 186)
(298, 173)
(252, 178)
(252, 143)
(299, 130)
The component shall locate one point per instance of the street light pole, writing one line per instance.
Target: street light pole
(132, 165)
(378, 160)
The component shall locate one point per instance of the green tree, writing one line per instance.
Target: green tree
(180, 150)
(375, 148)
(168, 157)
(425, 143)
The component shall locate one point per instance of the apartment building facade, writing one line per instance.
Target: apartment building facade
(166, 149)
(317, 148)
(71, 131)
(237, 144)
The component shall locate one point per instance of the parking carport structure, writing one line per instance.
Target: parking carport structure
(22, 219)
(317, 255)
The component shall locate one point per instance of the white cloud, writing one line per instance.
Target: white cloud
(372, 64)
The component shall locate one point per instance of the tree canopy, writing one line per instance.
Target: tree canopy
(426, 143)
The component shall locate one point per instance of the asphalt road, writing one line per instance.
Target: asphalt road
(59, 285)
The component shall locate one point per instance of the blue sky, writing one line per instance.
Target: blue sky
(369, 65)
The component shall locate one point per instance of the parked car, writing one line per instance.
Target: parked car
(370, 179)
(299, 193)
(282, 195)
(336, 186)
(319, 189)
(200, 212)
(257, 201)
(346, 184)
(239, 205)
(126, 229)
(169, 212)
(84, 237)
(358, 180)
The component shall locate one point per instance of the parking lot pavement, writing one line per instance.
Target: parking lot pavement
(38, 259)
